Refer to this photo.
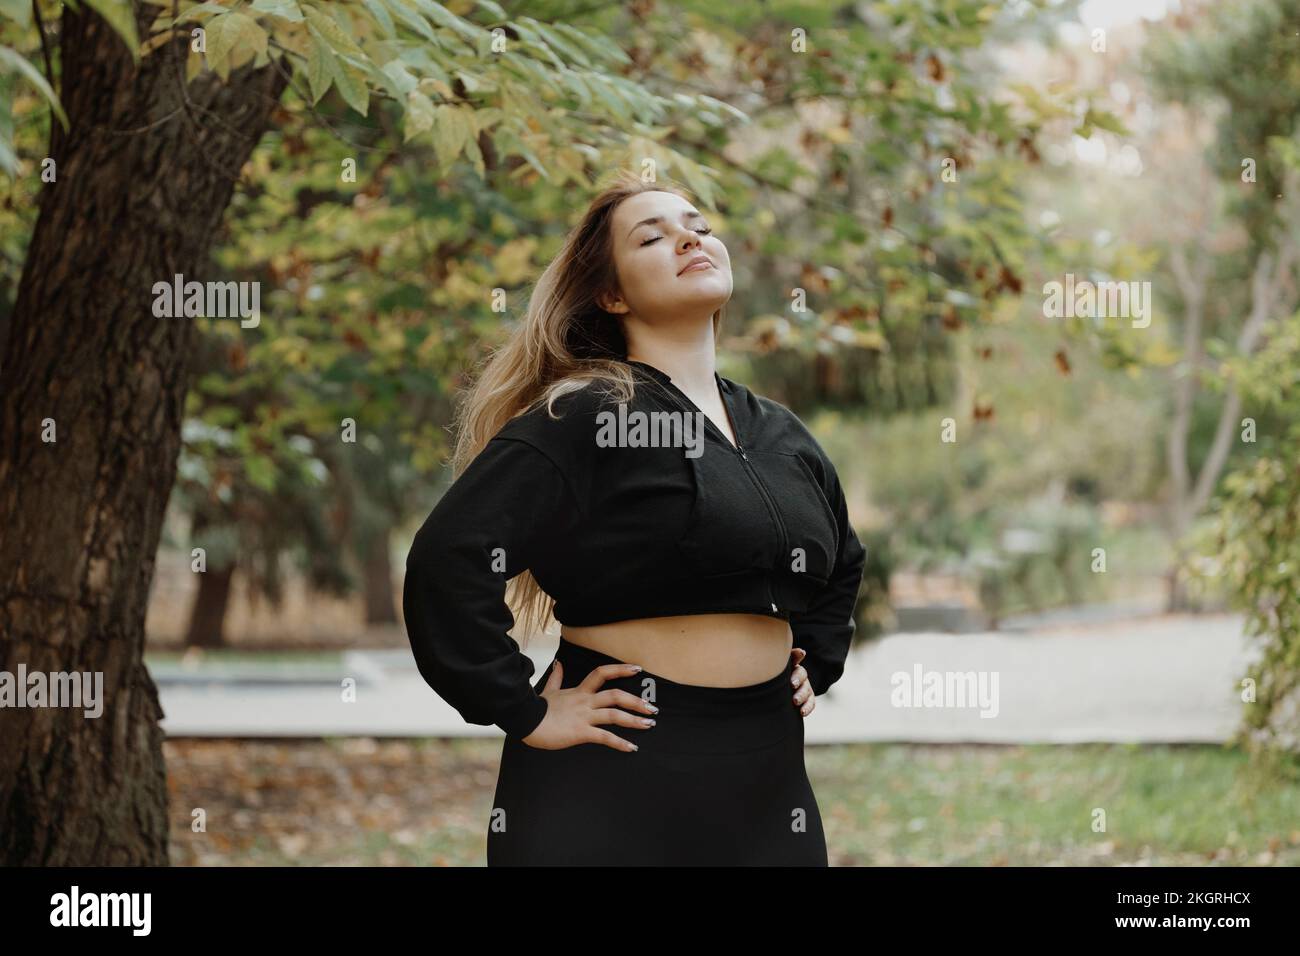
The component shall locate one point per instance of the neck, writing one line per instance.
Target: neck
(690, 364)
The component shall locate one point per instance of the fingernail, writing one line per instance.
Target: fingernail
(653, 708)
(647, 722)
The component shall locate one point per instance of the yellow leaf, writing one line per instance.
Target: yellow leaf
(246, 30)
(217, 44)
(332, 32)
(419, 115)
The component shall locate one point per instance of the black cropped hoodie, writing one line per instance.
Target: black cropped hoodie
(624, 513)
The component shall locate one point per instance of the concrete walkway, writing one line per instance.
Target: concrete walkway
(1158, 679)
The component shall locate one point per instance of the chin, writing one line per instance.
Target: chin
(711, 303)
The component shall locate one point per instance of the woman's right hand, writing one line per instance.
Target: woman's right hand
(572, 713)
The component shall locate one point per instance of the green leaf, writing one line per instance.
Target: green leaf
(1106, 121)
(574, 81)
(738, 114)
(329, 28)
(556, 40)
(223, 415)
(451, 130)
(8, 158)
(320, 68)
(20, 11)
(475, 156)
(471, 82)
(419, 115)
(598, 48)
(527, 28)
(412, 19)
(260, 471)
(284, 9)
(351, 83)
(219, 39)
(195, 12)
(243, 29)
(607, 93)
(400, 81)
(13, 62)
(696, 178)
(445, 18)
(486, 117)
(382, 17)
(519, 148)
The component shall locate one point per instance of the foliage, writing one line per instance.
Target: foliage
(469, 131)
(873, 613)
(1242, 57)
(1041, 557)
(533, 88)
(1252, 547)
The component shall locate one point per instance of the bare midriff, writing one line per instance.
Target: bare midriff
(712, 650)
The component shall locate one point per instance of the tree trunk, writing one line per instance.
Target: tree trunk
(1270, 288)
(208, 615)
(143, 176)
(1177, 600)
(380, 608)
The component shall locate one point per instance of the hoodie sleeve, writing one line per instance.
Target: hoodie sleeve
(488, 527)
(825, 630)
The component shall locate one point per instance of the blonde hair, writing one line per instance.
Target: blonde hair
(565, 342)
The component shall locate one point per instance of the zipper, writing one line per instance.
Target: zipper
(739, 449)
(771, 504)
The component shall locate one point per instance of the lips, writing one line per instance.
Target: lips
(697, 263)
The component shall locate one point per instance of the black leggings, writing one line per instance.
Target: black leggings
(719, 781)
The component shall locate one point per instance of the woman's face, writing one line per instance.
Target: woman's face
(656, 238)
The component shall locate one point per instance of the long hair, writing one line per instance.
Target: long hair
(564, 343)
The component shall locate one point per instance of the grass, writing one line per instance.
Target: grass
(1038, 805)
(359, 801)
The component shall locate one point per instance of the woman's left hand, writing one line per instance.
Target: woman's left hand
(804, 698)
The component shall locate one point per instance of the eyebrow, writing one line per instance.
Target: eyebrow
(691, 214)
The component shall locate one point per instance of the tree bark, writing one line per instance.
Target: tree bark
(144, 174)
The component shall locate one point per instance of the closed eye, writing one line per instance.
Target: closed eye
(702, 232)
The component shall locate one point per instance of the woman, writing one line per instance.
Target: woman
(690, 537)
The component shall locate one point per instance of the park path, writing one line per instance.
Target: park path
(1163, 678)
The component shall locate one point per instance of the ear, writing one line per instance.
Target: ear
(612, 303)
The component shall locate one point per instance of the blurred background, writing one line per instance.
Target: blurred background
(1093, 514)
